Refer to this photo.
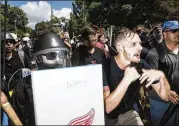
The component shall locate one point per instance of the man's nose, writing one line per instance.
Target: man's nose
(140, 47)
(8, 43)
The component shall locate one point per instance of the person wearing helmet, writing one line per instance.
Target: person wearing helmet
(26, 46)
(49, 52)
(13, 59)
(26, 41)
(14, 62)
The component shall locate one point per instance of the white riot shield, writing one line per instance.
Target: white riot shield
(69, 96)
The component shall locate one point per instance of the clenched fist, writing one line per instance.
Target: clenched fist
(131, 74)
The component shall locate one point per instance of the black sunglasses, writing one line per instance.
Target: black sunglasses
(9, 41)
(172, 30)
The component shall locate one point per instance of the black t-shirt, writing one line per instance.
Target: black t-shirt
(82, 57)
(112, 75)
(163, 59)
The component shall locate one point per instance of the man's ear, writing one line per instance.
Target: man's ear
(120, 48)
(164, 34)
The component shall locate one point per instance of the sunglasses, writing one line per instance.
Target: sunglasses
(9, 41)
(172, 30)
(53, 55)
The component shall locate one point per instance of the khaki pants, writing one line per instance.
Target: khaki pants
(129, 118)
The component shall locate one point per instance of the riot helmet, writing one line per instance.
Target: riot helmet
(26, 42)
(9, 42)
(8, 37)
(51, 52)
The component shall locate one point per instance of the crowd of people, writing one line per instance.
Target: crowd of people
(140, 71)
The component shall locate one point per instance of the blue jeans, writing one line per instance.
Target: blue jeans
(4, 119)
(157, 110)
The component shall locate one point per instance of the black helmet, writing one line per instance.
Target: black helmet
(51, 52)
(48, 41)
(8, 36)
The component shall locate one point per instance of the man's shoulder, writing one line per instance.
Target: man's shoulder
(152, 53)
(81, 48)
(157, 51)
(158, 47)
(15, 52)
(99, 51)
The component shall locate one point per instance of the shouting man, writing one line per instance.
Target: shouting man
(123, 76)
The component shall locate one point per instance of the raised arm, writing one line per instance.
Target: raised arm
(113, 99)
(162, 87)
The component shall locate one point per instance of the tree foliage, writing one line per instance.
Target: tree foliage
(16, 20)
(79, 17)
(127, 13)
(55, 25)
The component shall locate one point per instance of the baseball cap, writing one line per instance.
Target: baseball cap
(170, 25)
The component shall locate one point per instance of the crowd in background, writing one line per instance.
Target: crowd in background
(156, 48)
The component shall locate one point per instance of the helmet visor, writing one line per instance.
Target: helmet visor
(55, 59)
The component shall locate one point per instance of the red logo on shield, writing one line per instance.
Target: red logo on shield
(86, 119)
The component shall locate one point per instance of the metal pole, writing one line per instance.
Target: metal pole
(111, 32)
(3, 53)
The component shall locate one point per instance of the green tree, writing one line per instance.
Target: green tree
(28, 29)
(2, 15)
(43, 27)
(16, 19)
(53, 25)
(132, 12)
(17, 14)
(33, 34)
(79, 17)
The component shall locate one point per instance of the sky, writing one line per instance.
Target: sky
(38, 11)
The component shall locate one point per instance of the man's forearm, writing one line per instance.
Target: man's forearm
(114, 99)
(164, 88)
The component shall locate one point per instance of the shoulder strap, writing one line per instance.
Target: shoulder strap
(21, 56)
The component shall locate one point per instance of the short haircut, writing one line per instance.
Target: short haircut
(123, 33)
